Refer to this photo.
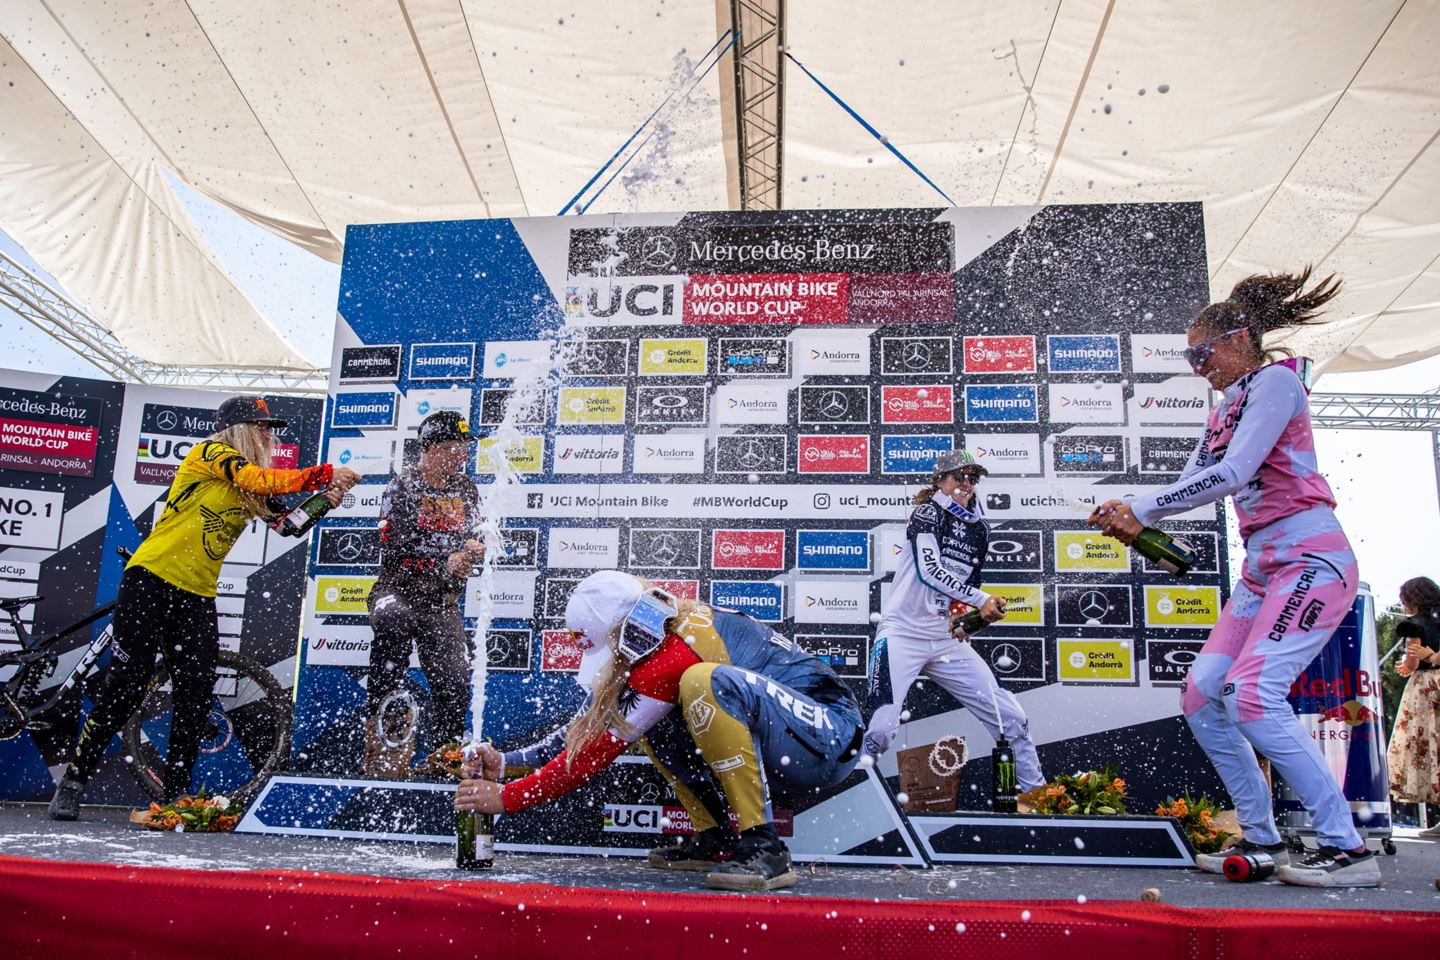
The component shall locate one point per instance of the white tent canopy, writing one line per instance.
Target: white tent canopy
(1308, 128)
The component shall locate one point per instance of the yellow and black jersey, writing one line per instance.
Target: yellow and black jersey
(204, 514)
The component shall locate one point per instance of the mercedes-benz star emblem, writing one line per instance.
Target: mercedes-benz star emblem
(664, 549)
(166, 420)
(1093, 605)
(833, 405)
(1005, 657)
(750, 454)
(915, 355)
(658, 251)
(349, 547)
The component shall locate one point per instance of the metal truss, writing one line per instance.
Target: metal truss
(759, 27)
(1375, 411)
(70, 324)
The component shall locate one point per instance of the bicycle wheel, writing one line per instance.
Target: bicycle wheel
(246, 737)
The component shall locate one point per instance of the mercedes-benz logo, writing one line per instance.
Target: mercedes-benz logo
(1005, 657)
(497, 646)
(658, 251)
(349, 546)
(751, 454)
(834, 405)
(915, 355)
(663, 549)
(166, 419)
(1094, 605)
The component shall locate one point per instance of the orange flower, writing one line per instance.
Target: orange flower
(1065, 803)
(1118, 784)
(1180, 808)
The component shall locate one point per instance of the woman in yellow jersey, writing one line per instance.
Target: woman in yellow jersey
(166, 603)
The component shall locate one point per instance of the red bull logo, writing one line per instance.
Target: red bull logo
(1350, 683)
(1352, 713)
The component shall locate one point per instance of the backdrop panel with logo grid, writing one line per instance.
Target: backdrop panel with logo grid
(746, 404)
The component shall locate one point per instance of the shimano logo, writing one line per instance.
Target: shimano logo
(832, 550)
(440, 361)
(999, 403)
(1083, 353)
(364, 408)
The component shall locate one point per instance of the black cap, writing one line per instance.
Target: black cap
(245, 410)
(443, 426)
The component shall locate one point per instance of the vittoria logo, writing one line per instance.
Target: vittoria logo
(589, 453)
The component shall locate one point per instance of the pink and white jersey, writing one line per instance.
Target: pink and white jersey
(1257, 447)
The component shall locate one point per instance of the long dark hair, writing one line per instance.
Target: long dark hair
(1420, 594)
(1269, 301)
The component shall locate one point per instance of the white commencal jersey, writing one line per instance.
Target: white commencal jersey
(945, 546)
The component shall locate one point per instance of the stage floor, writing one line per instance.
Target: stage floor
(104, 836)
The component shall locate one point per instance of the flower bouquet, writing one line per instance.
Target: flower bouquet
(200, 813)
(1094, 791)
(443, 763)
(1198, 819)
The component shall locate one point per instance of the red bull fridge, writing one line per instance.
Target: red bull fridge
(1339, 702)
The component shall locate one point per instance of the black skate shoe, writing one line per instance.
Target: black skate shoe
(1333, 867)
(698, 851)
(65, 805)
(1215, 862)
(761, 862)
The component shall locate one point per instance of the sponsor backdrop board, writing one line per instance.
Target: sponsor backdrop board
(84, 469)
(742, 407)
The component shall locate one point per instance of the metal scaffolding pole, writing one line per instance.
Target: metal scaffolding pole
(759, 27)
(69, 323)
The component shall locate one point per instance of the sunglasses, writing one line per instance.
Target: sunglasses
(971, 477)
(1205, 349)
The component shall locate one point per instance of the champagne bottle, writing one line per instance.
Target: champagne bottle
(1002, 773)
(1172, 555)
(474, 840)
(298, 522)
(969, 620)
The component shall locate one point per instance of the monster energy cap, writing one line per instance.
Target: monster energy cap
(245, 409)
(956, 460)
(444, 426)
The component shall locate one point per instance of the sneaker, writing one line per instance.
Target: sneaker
(760, 863)
(65, 805)
(1431, 832)
(698, 851)
(1215, 862)
(1333, 867)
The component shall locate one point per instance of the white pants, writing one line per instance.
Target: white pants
(895, 663)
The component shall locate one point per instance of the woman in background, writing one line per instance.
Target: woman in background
(1414, 756)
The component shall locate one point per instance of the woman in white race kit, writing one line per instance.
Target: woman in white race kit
(946, 541)
(1298, 582)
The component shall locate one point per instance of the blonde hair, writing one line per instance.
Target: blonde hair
(924, 495)
(604, 710)
(247, 439)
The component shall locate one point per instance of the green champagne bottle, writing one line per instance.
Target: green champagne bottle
(1172, 555)
(474, 840)
(298, 522)
(970, 621)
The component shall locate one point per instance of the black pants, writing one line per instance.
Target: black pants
(153, 617)
(435, 628)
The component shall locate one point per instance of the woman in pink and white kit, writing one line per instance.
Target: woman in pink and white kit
(1299, 577)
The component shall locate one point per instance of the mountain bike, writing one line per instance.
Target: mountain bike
(247, 733)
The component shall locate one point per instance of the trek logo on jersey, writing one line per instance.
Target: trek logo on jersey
(602, 453)
(595, 358)
(1084, 354)
(378, 363)
(532, 407)
(745, 453)
(663, 406)
(999, 354)
(369, 408)
(669, 548)
(674, 358)
(913, 452)
(590, 405)
(837, 404)
(747, 550)
(1086, 403)
(1005, 453)
(669, 453)
(1158, 353)
(1001, 403)
(761, 356)
(442, 361)
(928, 404)
(1087, 453)
(836, 352)
(588, 547)
(762, 600)
(1178, 400)
(514, 358)
(832, 601)
(625, 301)
(828, 453)
(832, 550)
(740, 403)
(915, 356)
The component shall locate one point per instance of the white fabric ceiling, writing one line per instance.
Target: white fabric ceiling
(1308, 127)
